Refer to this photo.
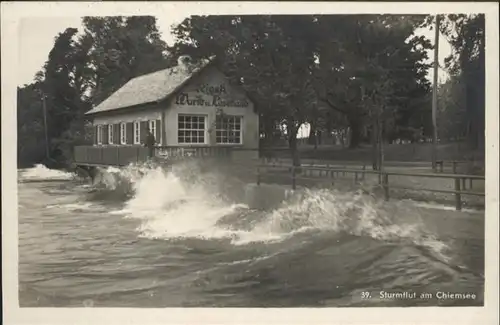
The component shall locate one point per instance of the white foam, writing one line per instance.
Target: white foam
(70, 206)
(40, 172)
(437, 206)
(184, 203)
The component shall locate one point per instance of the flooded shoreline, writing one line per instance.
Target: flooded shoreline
(174, 239)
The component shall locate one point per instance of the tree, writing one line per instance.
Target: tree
(30, 129)
(81, 71)
(121, 48)
(466, 34)
(293, 65)
(271, 57)
(452, 115)
(359, 51)
(59, 84)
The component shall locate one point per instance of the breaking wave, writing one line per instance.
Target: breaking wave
(185, 202)
(185, 228)
(42, 173)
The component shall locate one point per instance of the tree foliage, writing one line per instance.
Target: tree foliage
(299, 68)
(463, 97)
(375, 65)
(30, 129)
(362, 73)
(271, 57)
(83, 69)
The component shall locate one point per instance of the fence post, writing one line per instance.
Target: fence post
(258, 175)
(458, 201)
(355, 177)
(294, 185)
(386, 186)
(363, 173)
(463, 184)
(454, 167)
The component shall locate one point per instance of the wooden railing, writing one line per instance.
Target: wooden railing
(440, 164)
(305, 173)
(124, 155)
(109, 155)
(453, 163)
(183, 152)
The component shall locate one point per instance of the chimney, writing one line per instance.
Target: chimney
(184, 62)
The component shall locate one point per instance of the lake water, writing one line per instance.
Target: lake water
(145, 237)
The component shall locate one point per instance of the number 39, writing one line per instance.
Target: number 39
(365, 295)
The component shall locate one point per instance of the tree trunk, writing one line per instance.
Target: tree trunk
(341, 137)
(312, 134)
(268, 128)
(355, 138)
(374, 139)
(481, 104)
(292, 144)
(381, 146)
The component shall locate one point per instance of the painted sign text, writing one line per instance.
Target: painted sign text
(213, 100)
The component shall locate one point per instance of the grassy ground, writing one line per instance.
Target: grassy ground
(419, 152)
(417, 185)
(246, 172)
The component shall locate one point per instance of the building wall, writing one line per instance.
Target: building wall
(200, 91)
(201, 101)
(129, 116)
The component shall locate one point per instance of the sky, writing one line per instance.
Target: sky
(36, 38)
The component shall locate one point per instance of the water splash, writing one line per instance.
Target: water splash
(185, 202)
(42, 173)
(74, 207)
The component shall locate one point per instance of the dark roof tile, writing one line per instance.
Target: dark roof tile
(148, 88)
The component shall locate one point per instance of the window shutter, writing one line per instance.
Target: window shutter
(158, 132)
(116, 134)
(130, 132)
(142, 132)
(105, 134)
(95, 134)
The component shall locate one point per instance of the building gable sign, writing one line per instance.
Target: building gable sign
(210, 95)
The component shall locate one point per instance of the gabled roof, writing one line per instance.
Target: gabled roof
(149, 88)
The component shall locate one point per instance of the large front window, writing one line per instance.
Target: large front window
(228, 129)
(137, 132)
(191, 129)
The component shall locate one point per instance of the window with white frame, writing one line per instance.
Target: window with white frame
(123, 133)
(99, 134)
(191, 129)
(228, 129)
(152, 128)
(137, 132)
(111, 134)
